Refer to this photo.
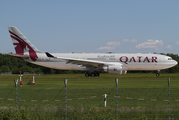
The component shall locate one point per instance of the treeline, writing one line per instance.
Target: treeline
(14, 65)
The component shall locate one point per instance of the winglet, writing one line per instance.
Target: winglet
(49, 55)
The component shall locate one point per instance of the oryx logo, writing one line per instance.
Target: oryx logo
(21, 46)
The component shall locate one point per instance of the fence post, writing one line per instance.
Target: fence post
(16, 83)
(65, 81)
(169, 98)
(117, 98)
(105, 99)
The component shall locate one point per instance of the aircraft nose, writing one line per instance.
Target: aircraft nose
(176, 62)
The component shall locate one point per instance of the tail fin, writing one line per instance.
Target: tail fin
(22, 44)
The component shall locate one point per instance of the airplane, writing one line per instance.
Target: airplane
(92, 63)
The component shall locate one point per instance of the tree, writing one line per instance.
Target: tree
(5, 68)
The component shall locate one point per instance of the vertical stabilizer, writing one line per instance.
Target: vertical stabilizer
(22, 44)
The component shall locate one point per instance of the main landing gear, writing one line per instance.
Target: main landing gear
(93, 74)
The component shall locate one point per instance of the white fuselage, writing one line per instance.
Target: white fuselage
(128, 61)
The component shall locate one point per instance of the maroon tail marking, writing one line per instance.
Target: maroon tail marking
(22, 45)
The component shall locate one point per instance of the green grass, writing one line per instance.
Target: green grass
(86, 115)
(51, 87)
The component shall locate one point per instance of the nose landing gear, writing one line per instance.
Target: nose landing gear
(158, 74)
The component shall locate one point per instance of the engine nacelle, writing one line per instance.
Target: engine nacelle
(113, 69)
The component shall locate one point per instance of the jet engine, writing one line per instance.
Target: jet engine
(113, 69)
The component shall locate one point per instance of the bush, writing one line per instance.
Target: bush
(5, 68)
(26, 69)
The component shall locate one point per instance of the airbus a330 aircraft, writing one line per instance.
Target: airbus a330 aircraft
(92, 63)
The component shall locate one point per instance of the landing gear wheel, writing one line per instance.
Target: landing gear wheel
(86, 74)
(92, 74)
(157, 74)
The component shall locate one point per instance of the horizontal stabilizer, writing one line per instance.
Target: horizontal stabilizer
(19, 56)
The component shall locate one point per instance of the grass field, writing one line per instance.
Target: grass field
(51, 87)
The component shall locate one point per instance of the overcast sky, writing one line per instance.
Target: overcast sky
(93, 26)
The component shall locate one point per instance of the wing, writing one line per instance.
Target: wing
(83, 62)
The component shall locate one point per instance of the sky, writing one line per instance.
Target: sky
(93, 26)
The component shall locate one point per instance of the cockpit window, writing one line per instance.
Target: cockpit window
(170, 59)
